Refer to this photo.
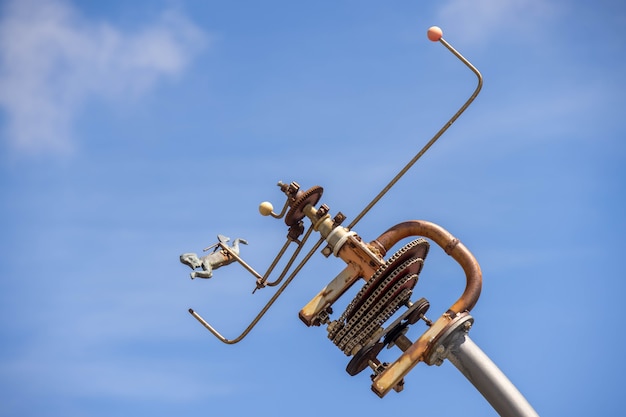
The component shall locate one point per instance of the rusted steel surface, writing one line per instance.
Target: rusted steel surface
(362, 263)
(420, 351)
(393, 375)
(329, 294)
(356, 252)
(451, 245)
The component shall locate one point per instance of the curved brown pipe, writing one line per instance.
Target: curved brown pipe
(451, 245)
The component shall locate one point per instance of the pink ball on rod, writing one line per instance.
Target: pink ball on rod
(434, 33)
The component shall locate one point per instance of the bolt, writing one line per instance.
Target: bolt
(399, 386)
(322, 211)
(439, 357)
(467, 326)
(339, 218)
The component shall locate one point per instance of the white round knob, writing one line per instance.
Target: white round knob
(266, 208)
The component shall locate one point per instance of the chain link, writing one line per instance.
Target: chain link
(388, 289)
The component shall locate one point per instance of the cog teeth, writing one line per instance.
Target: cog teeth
(377, 299)
(310, 196)
(409, 249)
(371, 328)
(386, 291)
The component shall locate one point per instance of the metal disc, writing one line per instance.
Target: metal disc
(361, 359)
(310, 196)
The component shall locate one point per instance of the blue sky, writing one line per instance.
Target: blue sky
(132, 132)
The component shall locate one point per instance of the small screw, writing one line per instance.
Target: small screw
(440, 351)
(339, 218)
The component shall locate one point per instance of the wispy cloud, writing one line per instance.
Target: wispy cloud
(480, 19)
(52, 59)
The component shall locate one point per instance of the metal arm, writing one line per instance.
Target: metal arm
(359, 332)
(267, 306)
(430, 142)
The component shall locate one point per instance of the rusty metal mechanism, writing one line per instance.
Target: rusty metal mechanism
(382, 312)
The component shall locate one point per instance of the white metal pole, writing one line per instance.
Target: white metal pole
(497, 389)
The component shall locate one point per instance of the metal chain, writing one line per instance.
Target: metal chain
(390, 309)
(375, 302)
(336, 325)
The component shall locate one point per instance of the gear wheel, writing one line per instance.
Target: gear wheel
(296, 213)
(361, 359)
(385, 292)
(417, 249)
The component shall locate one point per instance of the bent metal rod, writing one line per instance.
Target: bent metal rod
(363, 330)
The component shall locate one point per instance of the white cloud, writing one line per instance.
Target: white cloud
(479, 20)
(52, 59)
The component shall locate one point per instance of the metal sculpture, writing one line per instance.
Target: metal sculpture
(222, 255)
(362, 330)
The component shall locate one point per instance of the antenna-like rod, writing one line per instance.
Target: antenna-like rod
(434, 34)
(267, 306)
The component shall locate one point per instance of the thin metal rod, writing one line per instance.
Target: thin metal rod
(276, 259)
(267, 306)
(488, 379)
(282, 212)
(451, 245)
(261, 283)
(262, 280)
(434, 138)
(241, 261)
(291, 261)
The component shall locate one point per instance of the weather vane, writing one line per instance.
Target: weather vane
(382, 312)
